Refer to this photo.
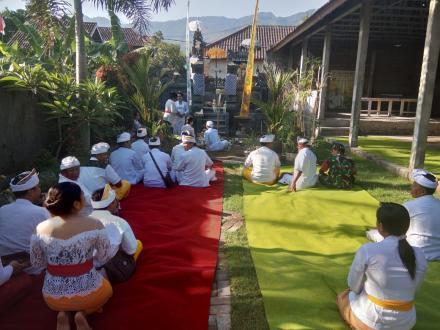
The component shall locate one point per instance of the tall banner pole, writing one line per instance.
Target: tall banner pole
(247, 88)
(188, 62)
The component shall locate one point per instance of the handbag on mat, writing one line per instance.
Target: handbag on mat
(167, 180)
(120, 268)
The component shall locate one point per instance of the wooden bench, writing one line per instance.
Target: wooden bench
(404, 109)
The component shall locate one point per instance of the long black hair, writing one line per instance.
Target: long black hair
(395, 220)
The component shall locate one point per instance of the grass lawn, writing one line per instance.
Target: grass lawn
(247, 305)
(398, 151)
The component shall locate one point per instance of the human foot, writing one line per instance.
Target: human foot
(63, 321)
(81, 322)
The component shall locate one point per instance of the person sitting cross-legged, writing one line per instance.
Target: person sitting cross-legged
(125, 161)
(337, 171)
(212, 139)
(140, 146)
(124, 245)
(195, 165)
(70, 171)
(68, 245)
(157, 164)
(19, 219)
(188, 127)
(98, 172)
(384, 277)
(176, 153)
(424, 210)
(263, 165)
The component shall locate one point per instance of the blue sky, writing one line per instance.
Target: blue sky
(228, 8)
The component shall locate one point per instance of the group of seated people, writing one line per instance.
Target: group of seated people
(262, 166)
(386, 273)
(77, 237)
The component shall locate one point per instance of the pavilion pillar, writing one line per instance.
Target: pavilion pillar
(426, 90)
(359, 76)
(304, 56)
(290, 59)
(325, 73)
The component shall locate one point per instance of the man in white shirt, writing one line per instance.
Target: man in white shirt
(195, 165)
(263, 165)
(170, 113)
(154, 162)
(19, 219)
(125, 161)
(189, 126)
(70, 172)
(106, 208)
(140, 146)
(212, 139)
(424, 211)
(182, 112)
(304, 171)
(98, 172)
(176, 154)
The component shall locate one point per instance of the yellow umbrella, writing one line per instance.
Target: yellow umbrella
(216, 53)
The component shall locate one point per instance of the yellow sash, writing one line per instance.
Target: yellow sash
(395, 305)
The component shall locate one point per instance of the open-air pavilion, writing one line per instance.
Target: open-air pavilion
(379, 57)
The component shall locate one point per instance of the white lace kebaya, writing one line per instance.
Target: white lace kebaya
(78, 249)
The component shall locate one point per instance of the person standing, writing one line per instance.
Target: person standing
(182, 112)
(154, 162)
(125, 161)
(304, 171)
(170, 112)
(263, 165)
(195, 165)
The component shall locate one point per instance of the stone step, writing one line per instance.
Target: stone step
(334, 131)
(336, 122)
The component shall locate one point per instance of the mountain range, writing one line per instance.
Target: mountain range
(213, 27)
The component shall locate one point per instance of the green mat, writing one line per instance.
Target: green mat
(398, 151)
(302, 246)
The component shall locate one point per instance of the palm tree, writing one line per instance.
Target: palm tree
(138, 11)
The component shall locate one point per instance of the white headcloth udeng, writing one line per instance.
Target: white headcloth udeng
(103, 203)
(419, 176)
(30, 180)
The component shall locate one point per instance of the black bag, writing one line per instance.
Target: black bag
(167, 180)
(120, 268)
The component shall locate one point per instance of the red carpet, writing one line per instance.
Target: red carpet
(171, 288)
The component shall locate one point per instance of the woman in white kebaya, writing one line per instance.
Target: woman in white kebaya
(384, 277)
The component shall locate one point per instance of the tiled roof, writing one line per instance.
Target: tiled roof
(267, 35)
(133, 38)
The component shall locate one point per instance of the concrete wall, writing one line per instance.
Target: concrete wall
(24, 131)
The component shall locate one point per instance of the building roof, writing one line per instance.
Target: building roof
(134, 39)
(267, 35)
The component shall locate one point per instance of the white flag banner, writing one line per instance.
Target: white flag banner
(195, 25)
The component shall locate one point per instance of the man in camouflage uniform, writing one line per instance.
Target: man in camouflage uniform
(337, 171)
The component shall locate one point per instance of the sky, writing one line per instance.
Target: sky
(228, 8)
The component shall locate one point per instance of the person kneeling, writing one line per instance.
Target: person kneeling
(384, 277)
(337, 171)
(263, 165)
(125, 249)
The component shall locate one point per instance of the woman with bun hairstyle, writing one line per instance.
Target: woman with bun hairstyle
(68, 244)
(384, 277)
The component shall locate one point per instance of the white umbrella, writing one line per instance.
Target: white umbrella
(247, 43)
